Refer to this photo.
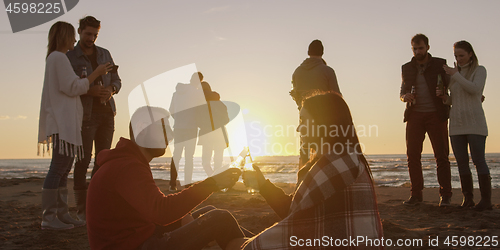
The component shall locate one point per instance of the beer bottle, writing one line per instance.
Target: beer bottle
(84, 73)
(440, 84)
(414, 93)
(103, 100)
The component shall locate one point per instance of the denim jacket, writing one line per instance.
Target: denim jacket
(79, 60)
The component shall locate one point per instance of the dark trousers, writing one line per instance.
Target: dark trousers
(218, 225)
(417, 126)
(476, 144)
(99, 130)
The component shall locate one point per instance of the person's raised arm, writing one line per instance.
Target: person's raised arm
(100, 70)
(474, 86)
(275, 196)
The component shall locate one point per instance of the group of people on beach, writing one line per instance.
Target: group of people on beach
(334, 196)
(425, 85)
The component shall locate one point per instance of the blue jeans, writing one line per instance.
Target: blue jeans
(217, 224)
(59, 168)
(99, 130)
(477, 147)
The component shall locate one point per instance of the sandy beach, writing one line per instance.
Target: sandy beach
(20, 217)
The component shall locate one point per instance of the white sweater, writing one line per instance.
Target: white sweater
(61, 110)
(467, 114)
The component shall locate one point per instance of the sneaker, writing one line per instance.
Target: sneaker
(413, 201)
(445, 201)
(172, 188)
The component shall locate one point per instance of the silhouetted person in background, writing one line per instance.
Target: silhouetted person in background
(185, 100)
(212, 119)
(313, 74)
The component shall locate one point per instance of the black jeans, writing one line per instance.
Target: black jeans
(217, 224)
(476, 145)
(99, 130)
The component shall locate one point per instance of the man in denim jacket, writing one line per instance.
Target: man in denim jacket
(98, 104)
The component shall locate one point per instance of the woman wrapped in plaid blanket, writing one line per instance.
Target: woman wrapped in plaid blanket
(334, 202)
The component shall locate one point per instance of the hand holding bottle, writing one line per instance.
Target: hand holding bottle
(228, 178)
(440, 94)
(408, 97)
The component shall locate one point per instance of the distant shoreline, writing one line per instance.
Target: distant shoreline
(168, 157)
(20, 215)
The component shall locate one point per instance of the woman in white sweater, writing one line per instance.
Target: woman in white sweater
(468, 122)
(60, 123)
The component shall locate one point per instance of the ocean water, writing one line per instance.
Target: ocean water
(388, 170)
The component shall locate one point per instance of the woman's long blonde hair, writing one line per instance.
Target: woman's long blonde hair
(60, 34)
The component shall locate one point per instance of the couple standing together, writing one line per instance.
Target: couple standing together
(427, 111)
(77, 111)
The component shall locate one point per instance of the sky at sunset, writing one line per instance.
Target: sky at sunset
(248, 50)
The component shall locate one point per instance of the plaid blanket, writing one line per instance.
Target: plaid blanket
(334, 204)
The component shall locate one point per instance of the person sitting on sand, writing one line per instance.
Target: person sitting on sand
(125, 206)
(334, 195)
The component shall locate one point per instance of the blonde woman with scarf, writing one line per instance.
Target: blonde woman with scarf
(60, 124)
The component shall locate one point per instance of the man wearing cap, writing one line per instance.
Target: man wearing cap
(313, 74)
(125, 206)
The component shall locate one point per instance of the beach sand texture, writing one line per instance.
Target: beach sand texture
(20, 216)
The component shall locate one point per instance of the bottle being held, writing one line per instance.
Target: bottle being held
(103, 99)
(84, 73)
(250, 178)
(440, 85)
(239, 162)
(414, 93)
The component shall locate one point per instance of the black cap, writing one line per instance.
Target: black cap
(315, 48)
